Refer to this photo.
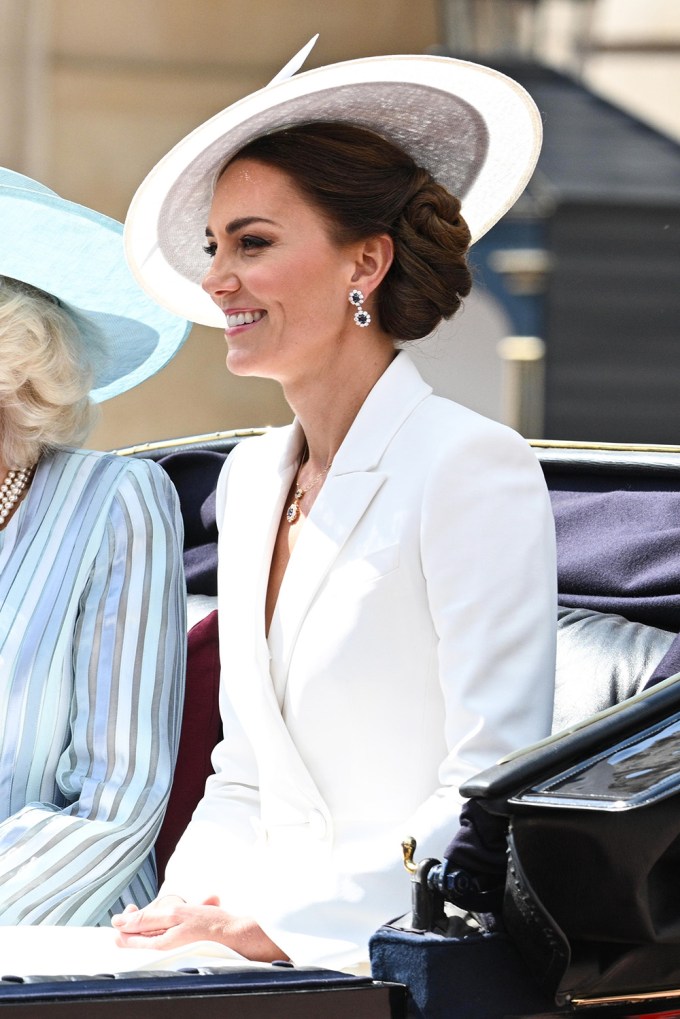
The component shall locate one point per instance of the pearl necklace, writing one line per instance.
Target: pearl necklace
(293, 511)
(11, 490)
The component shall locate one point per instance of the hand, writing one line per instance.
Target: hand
(170, 922)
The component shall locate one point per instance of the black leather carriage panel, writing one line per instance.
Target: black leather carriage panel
(542, 760)
(606, 463)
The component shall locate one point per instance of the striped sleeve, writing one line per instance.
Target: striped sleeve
(67, 863)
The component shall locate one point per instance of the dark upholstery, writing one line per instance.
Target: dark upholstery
(602, 659)
(618, 556)
(619, 551)
(617, 516)
(194, 474)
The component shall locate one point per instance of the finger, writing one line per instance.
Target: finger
(212, 900)
(159, 915)
(158, 940)
(142, 923)
(125, 920)
(120, 918)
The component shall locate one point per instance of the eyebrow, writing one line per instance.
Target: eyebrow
(238, 224)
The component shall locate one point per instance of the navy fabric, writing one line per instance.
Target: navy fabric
(668, 666)
(194, 474)
(475, 977)
(479, 847)
(618, 550)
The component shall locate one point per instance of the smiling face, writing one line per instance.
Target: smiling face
(277, 274)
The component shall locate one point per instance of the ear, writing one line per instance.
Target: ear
(373, 259)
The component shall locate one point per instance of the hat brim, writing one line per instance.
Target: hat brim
(476, 130)
(76, 254)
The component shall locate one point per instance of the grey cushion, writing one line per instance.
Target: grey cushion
(601, 660)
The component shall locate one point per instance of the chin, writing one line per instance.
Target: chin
(242, 363)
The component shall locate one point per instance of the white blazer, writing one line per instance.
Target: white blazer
(412, 645)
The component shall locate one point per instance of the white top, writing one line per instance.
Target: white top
(413, 645)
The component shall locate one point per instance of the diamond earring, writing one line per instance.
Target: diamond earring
(361, 317)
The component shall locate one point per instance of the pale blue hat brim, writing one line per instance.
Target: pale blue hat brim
(77, 255)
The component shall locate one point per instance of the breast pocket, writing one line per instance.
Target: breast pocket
(368, 568)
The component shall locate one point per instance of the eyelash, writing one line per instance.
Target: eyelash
(248, 243)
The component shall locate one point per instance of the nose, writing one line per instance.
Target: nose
(218, 282)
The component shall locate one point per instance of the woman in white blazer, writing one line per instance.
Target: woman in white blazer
(386, 563)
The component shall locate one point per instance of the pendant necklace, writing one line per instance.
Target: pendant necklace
(293, 511)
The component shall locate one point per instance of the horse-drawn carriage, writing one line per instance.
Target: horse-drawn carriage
(583, 916)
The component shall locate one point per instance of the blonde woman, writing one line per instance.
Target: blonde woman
(92, 623)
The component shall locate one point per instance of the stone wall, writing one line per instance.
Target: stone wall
(102, 90)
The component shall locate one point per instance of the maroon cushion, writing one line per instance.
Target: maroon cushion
(201, 730)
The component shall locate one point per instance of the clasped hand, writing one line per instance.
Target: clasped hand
(170, 922)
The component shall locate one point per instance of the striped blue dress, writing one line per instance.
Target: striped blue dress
(92, 658)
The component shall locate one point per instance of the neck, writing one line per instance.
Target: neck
(327, 406)
(13, 485)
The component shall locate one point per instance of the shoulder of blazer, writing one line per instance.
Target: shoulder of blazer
(260, 450)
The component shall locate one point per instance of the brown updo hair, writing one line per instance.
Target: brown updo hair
(364, 185)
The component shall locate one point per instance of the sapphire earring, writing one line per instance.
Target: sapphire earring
(361, 317)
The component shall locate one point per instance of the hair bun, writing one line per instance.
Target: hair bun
(430, 275)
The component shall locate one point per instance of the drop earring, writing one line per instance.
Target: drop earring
(361, 317)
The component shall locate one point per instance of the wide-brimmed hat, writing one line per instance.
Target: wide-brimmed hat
(77, 255)
(476, 130)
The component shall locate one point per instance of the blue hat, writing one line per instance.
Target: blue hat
(76, 254)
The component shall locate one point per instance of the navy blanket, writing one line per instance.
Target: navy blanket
(618, 550)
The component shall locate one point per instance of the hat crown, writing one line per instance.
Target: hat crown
(474, 129)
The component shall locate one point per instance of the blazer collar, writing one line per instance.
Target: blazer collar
(395, 394)
(348, 490)
(398, 390)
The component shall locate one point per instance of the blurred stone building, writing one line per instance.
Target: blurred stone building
(95, 92)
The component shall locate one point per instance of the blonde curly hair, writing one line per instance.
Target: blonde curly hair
(47, 352)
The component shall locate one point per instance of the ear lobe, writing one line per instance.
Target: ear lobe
(373, 262)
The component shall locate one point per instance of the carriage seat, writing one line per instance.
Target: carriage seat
(618, 538)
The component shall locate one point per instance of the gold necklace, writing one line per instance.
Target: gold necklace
(293, 511)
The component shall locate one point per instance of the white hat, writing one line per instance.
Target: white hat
(476, 130)
(77, 255)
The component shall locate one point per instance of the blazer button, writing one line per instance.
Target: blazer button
(317, 824)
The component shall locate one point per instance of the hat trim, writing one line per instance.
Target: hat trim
(514, 131)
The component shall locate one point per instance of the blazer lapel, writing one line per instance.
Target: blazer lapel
(244, 574)
(245, 557)
(320, 542)
(348, 491)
